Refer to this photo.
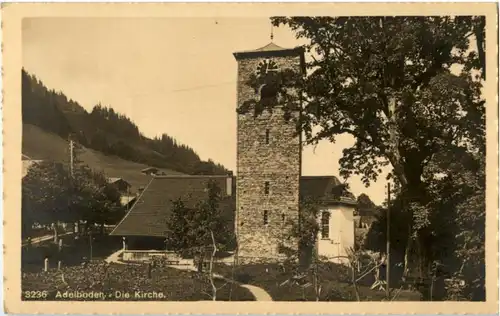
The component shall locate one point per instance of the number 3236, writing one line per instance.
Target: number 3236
(35, 294)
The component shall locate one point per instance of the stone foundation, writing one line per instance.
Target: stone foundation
(259, 260)
(147, 255)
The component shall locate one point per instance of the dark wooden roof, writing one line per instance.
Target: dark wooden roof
(116, 180)
(150, 213)
(325, 190)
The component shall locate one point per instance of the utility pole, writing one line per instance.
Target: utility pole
(90, 241)
(388, 249)
(71, 158)
(71, 172)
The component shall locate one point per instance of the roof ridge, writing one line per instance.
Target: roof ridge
(271, 44)
(317, 177)
(270, 47)
(174, 176)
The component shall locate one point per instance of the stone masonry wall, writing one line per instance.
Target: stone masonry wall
(278, 163)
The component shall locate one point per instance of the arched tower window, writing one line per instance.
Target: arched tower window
(269, 94)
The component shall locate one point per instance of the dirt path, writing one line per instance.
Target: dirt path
(38, 240)
(259, 293)
(114, 257)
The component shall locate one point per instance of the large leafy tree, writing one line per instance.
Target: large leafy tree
(406, 88)
(387, 81)
(51, 194)
(365, 205)
(46, 195)
(459, 195)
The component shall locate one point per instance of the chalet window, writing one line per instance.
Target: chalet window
(266, 187)
(325, 225)
(267, 136)
(266, 218)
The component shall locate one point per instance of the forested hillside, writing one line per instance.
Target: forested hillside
(106, 131)
(42, 145)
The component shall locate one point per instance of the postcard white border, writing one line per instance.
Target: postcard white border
(12, 15)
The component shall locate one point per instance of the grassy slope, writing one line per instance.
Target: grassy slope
(42, 145)
(335, 282)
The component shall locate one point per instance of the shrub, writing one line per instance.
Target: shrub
(243, 277)
(336, 294)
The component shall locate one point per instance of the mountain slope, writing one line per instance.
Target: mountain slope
(42, 145)
(106, 131)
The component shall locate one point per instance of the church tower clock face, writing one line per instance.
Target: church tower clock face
(267, 74)
(266, 67)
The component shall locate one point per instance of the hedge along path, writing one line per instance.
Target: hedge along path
(259, 293)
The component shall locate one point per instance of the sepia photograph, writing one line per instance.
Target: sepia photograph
(290, 158)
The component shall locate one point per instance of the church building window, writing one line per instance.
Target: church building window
(266, 187)
(325, 225)
(266, 217)
(267, 136)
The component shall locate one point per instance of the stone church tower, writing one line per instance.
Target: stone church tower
(268, 157)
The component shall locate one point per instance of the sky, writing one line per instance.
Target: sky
(168, 75)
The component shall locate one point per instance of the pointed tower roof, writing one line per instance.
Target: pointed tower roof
(270, 49)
